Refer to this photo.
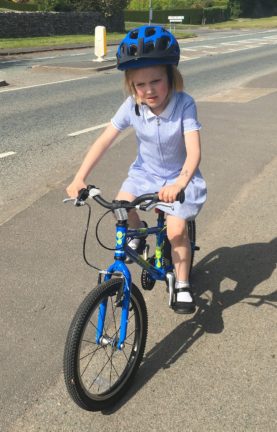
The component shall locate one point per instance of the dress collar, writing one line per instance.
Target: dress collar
(166, 112)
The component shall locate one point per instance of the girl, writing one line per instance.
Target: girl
(167, 130)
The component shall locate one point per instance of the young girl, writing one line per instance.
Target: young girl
(167, 132)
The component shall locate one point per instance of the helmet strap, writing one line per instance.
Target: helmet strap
(137, 109)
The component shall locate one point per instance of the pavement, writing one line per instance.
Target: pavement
(79, 66)
(74, 66)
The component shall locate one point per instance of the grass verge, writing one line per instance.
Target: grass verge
(34, 42)
(247, 23)
(180, 31)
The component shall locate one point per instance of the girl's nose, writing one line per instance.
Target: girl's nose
(149, 89)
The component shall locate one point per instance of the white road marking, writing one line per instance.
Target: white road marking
(207, 46)
(42, 58)
(9, 61)
(78, 54)
(3, 155)
(184, 57)
(228, 43)
(42, 85)
(88, 129)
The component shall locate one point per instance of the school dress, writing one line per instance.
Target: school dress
(161, 150)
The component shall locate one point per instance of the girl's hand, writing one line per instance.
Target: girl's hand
(169, 193)
(74, 188)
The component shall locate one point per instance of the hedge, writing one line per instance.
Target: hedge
(191, 16)
(25, 7)
(216, 14)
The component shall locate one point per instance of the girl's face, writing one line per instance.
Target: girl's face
(151, 87)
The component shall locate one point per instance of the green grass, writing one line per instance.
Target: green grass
(6, 5)
(245, 23)
(31, 42)
(181, 31)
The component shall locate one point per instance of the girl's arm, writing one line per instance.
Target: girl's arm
(193, 148)
(99, 147)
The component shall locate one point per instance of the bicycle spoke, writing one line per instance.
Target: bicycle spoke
(92, 355)
(99, 374)
(100, 370)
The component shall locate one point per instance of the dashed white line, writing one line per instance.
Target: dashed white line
(42, 85)
(80, 132)
(43, 58)
(78, 54)
(228, 43)
(190, 49)
(207, 46)
(3, 155)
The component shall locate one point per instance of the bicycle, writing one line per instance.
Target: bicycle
(107, 336)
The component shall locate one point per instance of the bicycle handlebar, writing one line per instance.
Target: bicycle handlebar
(149, 199)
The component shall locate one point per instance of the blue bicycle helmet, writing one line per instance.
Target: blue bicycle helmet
(147, 46)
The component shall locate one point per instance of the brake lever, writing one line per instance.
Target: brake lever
(76, 202)
(66, 200)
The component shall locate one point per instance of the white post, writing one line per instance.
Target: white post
(150, 12)
(100, 45)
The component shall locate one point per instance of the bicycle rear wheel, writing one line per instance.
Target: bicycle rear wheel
(192, 238)
(97, 375)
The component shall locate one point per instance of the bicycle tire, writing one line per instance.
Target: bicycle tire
(89, 384)
(192, 238)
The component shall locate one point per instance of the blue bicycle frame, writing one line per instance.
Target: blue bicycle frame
(157, 271)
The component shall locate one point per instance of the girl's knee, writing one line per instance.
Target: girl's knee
(177, 230)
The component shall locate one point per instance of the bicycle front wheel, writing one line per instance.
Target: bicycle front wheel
(98, 374)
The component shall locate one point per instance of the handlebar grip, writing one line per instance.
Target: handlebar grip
(82, 196)
(181, 196)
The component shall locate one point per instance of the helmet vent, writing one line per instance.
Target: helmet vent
(148, 47)
(133, 50)
(163, 43)
(134, 34)
(150, 31)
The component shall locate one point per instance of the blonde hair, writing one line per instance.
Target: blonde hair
(175, 81)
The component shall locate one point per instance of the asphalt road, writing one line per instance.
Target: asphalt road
(40, 108)
(213, 371)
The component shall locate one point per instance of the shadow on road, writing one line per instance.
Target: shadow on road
(244, 267)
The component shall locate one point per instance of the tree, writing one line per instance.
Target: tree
(252, 8)
(107, 8)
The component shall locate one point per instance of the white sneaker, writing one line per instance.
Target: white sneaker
(137, 244)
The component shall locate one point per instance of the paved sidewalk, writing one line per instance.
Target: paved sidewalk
(78, 66)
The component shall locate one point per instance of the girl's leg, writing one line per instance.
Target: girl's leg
(181, 256)
(133, 222)
(180, 246)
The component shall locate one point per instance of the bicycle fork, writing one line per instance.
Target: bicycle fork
(118, 268)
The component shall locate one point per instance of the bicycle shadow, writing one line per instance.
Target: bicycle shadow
(244, 267)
